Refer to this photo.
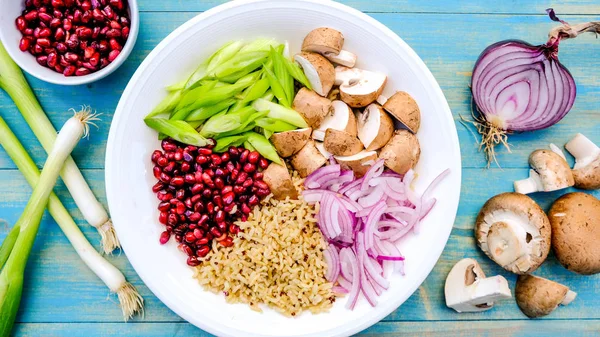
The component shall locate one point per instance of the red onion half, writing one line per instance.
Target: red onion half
(520, 87)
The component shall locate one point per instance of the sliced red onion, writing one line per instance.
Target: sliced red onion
(339, 290)
(374, 171)
(332, 259)
(344, 283)
(371, 223)
(347, 256)
(374, 196)
(322, 176)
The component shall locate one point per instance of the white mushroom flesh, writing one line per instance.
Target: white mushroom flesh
(510, 239)
(569, 297)
(311, 74)
(344, 58)
(368, 124)
(558, 151)
(369, 82)
(468, 290)
(338, 120)
(583, 149)
(318, 135)
(529, 185)
(321, 147)
(382, 100)
(344, 75)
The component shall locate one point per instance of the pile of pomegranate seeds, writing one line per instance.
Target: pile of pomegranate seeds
(203, 193)
(74, 37)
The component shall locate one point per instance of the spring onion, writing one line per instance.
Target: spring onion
(263, 146)
(131, 302)
(16, 86)
(519, 87)
(280, 112)
(12, 275)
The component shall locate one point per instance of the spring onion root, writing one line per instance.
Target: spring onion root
(16, 86)
(131, 302)
(11, 277)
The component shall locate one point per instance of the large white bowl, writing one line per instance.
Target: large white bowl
(129, 171)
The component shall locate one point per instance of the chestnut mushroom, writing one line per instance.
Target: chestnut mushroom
(405, 109)
(537, 296)
(402, 152)
(342, 119)
(288, 143)
(312, 107)
(358, 163)
(318, 70)
(329, 43)
(586, 171)
(513, 231)
(308, 159)
(375, 127)
(359, 88)
(467, 289)
(550, 172)
(575, 220)
(280, 182)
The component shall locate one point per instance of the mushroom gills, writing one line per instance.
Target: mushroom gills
(583, 149)
(511, 240)
(468, 290)
(344, 58)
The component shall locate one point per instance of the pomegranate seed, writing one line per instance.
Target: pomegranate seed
(220, 216)
(67, 25)
(85, 33)
(234, 229)
(177, 181)
(113, 33)
(172, 220)
(42, 60)
(218, 200)
(233, 152)
(189, 237)
(95, 59)
(194, 217)
(206, 193)
(185, 167)
(21, 24)
(215, 232)
(28, 32)
(203, 241)
(246, 209)
(24, 43)
(216, 159)
(59, 34)
(157, 172)
(238, 189)
(228, 198)
(77, 16)
(55, 23)
(52, 59)
(85, 5)
(262, 192)
(210, 208)
(125, 33)
(227, 242)
(155, 155)
(59, 69)
(159, 186)
(227, 189)
(30, 16)
(180, 208)
(219, 182)
(180, 194)
(203, 219)
(230, 209)
(253, 157)
(45, 17)
(263, 163)
(241, 178)
(170, 167)
(162, 217)
(198, 234)
(222, 226)
(165, 178)
(248, 167)
(168, 145)
(204, 151)
(203, 251)
(207, 179)
(164, 237)
(234, 174)
(244, 156)
(258, 176)
(190, 179)
(164, 206)
(192, 261)
(247, 183)
(82, 72)
(261, 185)
(253, 200)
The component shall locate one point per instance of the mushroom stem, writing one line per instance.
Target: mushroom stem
(558, 151)
(529, 185)
(569, 297)
(344, 58)
(583, 149)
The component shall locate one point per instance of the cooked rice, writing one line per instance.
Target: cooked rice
(277, 260)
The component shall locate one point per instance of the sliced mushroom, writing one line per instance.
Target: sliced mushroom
(358, 163)
(343, 58)
(312, 107)
(307, 160)
(280, 182)
(537, 296)
(359, 88)
(288, 143)
(375, 127)
(323, 40)
(402, 152)
(549, 173)
(586, 171)
(342, 119)
(404, 108)
(513, 231)
(321, 147)
(341, 143)
(468, 290)
(318, 70)
(575, 220)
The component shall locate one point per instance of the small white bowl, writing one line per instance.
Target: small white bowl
(10, 37)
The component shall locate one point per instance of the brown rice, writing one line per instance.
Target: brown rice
(277, 260)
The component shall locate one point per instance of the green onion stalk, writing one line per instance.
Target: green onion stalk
(12, 274)
(14, 83)
(131, 302)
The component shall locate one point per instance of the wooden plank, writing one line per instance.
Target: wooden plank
(449, 57)
(59, 288)
(429, 329)
(412, 6)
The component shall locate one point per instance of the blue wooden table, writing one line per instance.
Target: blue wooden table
(63, 298)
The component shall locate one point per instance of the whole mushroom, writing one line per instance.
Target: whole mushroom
(575, 220)
(468, 290)
(587, 162)
(537, 296)
(329, 43)
(550, 172)
(514, 232)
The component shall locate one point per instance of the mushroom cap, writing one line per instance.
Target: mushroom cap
(280, 182)
(308, 159)
(575, 220)
(341, 143)
(537, 296)
(405, 109)
(588, 177)
(513, 231)
(359, 88)
(402, 152)
(288, 143)
(554, 171)
(323, 40)
(312, 107)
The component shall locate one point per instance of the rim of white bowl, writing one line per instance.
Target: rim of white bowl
(219, 329)
(51, 76)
